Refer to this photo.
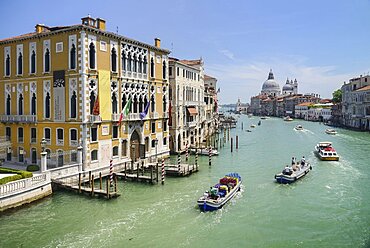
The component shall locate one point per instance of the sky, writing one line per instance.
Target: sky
(321, 43)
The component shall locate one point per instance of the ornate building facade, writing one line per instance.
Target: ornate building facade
(69, 84)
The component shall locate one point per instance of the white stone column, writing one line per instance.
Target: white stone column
(79, 158)
(43, 162)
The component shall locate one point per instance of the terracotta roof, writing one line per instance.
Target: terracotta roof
(19, 36)
(364, 88)
(191, 62)
(208, 77)
(305, 104)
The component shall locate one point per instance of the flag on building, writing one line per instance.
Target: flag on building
(96, 109)
(125, 111)
(145, 112)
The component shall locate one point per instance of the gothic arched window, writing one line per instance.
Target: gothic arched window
(129, 62)
(135, 105)
(140, 104)
(47, 60)
(72, 57)
(8, 104)
(33, 104)
(145, 65)
(152, 104)
(92, 101)
(134, 65)
(114, 59)
(47, 105)
(20, 63)
(164, 104)
(92, 55)
(140, 70)
(20, 104)
(74, 105)
(124, 101)
(152, 67)
(114, 103)
(7, 65)
(164, 69)
(124, 61)
(33, 62)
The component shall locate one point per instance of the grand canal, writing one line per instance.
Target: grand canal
(330, 207)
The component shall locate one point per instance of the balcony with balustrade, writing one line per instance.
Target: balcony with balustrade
(18, 118)
(95, 118)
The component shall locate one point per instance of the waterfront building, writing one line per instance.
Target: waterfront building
(68, 84)
(356, 103)
(211, 108)
(188, 108)
(301, 110)
(241, 107)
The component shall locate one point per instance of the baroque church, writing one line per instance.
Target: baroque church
(271, 88)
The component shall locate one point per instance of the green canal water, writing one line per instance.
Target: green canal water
(330, 207)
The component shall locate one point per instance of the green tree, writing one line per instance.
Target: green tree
(337, 96)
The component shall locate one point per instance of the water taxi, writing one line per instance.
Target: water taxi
(220, 193)
(330, 131)
(204, 151)
(298, 128)
(288, 118)
(292, 174)
(326, 152)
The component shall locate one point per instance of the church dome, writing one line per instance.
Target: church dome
(270, 85)
(288, 87)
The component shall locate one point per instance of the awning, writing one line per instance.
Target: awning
(192, 110)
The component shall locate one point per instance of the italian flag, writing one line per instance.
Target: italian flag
(125, 111)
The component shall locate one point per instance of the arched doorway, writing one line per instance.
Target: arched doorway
(135, 146)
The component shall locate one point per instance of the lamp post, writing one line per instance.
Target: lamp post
(43, 144)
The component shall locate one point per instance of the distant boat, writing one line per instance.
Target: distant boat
(253, 126)
(292, 174)
(204, 151)
(248, 130)
(330, 131)
(221, 193)
(298, 128)
(263, 117)
(287, 118)
(259, 123)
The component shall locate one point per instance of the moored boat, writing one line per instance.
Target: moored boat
(298, 128)
(326, 152)
(330, 131)
(204, 151)
(294, 173)
(220, 193)
(263, 118)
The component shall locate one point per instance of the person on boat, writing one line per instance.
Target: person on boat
(303, 161)
(293, 161)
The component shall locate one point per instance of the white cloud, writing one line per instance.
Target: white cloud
(244, 80)
(227, 53)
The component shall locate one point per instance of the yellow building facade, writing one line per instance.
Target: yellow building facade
(69, 85)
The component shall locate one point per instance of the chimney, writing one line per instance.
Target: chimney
(101, 24)
(41, 28)
(89, 21)
(157, 42)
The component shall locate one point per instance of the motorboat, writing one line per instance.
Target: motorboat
(294, 173)
(204, 151)
(330, 131)
(326, 152)
(298, 128)
(249, 131)
(253, 126)
(263, 117)
(220, 193)
(259, 123)
(288, 118)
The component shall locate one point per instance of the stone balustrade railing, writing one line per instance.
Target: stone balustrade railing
(23, 184)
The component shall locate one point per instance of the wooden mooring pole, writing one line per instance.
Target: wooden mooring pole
(100, 181)
(79, 183)
(231, 144)
(107, 185)
(92, 185)
(237, 142)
